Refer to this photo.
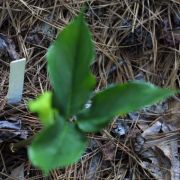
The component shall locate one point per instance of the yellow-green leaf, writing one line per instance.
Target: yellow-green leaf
(43, 107)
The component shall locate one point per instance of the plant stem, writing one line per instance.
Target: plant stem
(14, 147)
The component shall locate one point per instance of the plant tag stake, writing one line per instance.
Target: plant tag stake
(16, 81)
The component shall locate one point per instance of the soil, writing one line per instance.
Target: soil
(133, 40)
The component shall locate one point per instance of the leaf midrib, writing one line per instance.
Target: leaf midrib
(73, 71)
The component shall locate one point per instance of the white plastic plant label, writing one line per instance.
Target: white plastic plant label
(16, 81)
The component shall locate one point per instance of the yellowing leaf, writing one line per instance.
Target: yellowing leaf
(43, 107)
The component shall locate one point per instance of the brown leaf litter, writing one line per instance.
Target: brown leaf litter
(134, 40)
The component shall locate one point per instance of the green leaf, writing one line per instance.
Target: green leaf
(69, 59)
(43, 107)
(57, 146)
(120, 100)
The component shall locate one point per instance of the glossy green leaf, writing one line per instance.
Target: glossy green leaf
(57, 146)
(43, 107)
(120, 100)
(69, 59)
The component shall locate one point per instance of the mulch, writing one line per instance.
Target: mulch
(133, 40)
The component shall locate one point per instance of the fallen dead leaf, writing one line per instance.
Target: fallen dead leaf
(17, 173)
(8, 46)
(109, 151)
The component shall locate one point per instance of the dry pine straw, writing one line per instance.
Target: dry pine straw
(131, 38)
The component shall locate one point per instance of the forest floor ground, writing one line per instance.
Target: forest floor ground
(134, 40)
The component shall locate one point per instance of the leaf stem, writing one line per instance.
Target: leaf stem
(14, 147)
